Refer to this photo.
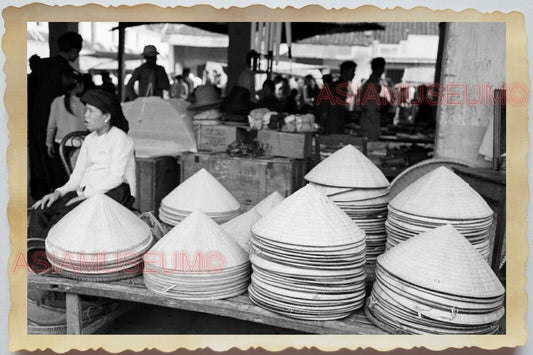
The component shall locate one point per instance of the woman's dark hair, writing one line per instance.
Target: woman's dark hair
(107, 102)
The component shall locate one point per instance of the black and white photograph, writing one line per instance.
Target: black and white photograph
(268, 178)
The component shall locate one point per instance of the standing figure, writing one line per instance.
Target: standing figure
(373, 104)
(152, 77)
(47, 84)
(179, 88)
(66, 116)
(335, 99)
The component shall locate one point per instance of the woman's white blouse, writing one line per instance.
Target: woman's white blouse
(104, 163)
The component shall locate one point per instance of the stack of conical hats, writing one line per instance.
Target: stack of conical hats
(307, 259)
(240, 227)
(438, 198)
(361, 190)
(436, 283)
(197, 260)
(99, 240)
(199, 192)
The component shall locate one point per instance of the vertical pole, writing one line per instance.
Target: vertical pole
(120, 58)
(74, 316)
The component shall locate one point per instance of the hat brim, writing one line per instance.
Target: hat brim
(204, 106)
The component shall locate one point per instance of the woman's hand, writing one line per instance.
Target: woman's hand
(47, 200)
(75, 199)
(51, 151)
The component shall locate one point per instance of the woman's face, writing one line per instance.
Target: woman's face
(94, 118)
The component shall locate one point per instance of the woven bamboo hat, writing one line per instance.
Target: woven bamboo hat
(99, 225)
(198, 234)
(348, 167)
(441, 194)
(308, 218)
(268, 203)
(240, 228)
(442, 260)
(201, 192)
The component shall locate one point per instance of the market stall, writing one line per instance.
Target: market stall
(261, 214)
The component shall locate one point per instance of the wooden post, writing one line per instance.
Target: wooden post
(239, 45)
(74, 316)
(120, 59)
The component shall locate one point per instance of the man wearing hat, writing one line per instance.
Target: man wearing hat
(152, 78)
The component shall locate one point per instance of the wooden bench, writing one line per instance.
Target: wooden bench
(239, 307)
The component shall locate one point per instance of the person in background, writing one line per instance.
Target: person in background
(66, 116)
(107, 83)
(247, 76)
(309, 94)
(187, 78)
(423, 108)
(105, 164)
(293, 104)
(282, 89)
(335, 101)
(152, 78)
(47, 84)
(268, 98)
(373, 104)
(179, 88)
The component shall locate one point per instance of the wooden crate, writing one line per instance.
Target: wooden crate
(248, 179)
(156, 177)
(286, 144)
(217, 138)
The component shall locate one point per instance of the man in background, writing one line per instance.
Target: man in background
(152, 78)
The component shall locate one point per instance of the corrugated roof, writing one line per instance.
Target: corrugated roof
(394, 33)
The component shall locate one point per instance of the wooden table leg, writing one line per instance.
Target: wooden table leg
(74, 316)
(499, 239)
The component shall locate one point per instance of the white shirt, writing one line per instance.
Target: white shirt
(104, 163)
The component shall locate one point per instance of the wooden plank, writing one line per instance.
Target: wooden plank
(239, 307)
(73, 313)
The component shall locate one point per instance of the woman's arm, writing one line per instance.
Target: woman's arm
(79, 170)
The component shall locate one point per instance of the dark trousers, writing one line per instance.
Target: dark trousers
(43, 220)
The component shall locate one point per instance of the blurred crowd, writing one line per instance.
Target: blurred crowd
(334, 100)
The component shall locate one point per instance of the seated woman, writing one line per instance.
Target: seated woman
(105, 164)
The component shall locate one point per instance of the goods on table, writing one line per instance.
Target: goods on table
(435, 283)
(199, 192)
(99, 240)
(307, 259)
(438, 198)
(240, 227)
(361, 190)
(197, 260)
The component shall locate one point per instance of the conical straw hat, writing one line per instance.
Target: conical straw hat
(98, 225)
(348, 167)
(197, 235)
(201, 192)
(240, 227)
(308, 218)
(268, 203)
(444, 261)
(441, 194)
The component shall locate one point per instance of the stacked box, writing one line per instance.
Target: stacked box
(250, 180)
